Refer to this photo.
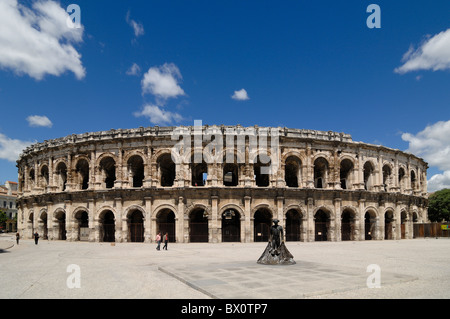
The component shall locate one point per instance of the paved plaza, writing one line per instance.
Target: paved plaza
(416, 268)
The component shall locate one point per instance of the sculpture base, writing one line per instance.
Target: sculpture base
(278, 256)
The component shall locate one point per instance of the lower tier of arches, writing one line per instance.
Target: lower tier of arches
(219, 217)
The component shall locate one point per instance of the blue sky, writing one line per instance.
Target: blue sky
(302, 64)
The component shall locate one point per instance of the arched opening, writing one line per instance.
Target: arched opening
(60, 217)
(292, 171)
(261, 169)
(347, 225)
(401, 179)
(165, 223)
(413, 180)
(198, 226)
(261, 225)
(44, 176)
(345, 173)
(107, 227)
(320, 172)
(136, 226)
(166, 168)
(389, 225)
(82, 224)
(293, 225)
(403, 217)
(61, 173)
(199, 173)
(31, 222)
(108, 171)
(368, 176)
(321, 223)
(369, 225)
(44, 229)
(231, 226)
(230, 172)
(82, 173)
(136, 170)
(387, 176)
(31, 178)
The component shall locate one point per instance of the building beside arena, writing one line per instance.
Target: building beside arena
(218, 184)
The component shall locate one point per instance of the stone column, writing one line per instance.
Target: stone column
(149, 229)
(180, 222)
(248, 220)
(216, 225)
(338, 219)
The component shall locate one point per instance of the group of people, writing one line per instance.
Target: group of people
(35, 236)
(158, 241)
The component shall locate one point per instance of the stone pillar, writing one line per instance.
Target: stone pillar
(215, 230)
(248, 224)
(149, 229)
(338, 219)
(310, 220)
(180, 222)
(120, 222)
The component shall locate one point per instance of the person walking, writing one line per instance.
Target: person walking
(158, 240)
(17, 238)
(36, 238)
(166, 240)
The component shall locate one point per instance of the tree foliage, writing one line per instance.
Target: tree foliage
(439, 206)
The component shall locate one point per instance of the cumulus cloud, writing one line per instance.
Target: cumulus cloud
(433, 145)
(37, 41)
(39, 121)
(157, 115)
(240, 95)
(10, 149)
(162, 81)
(134, 70)
(138, 28)
(432, 54)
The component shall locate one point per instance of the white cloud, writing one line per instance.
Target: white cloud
(433, 54)
(138, 28)
(439, 181)
(240, 95)
(433, 145)
(39, 121)
(158, 116)
(134, 70)
(37, 41)
(162, 81)
(10, 149)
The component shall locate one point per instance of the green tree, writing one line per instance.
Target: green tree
(3, 219)
(439, 206)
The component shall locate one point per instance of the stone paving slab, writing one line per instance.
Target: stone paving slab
(251, 280)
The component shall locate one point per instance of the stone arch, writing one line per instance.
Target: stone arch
(81, 168)
(346, 171)
(135, 217)
(59, 223)
(321, 169)
(294, 216)
(166, 169)
(322, 216)
(106, 217)
(369, 169)
(349, 217)
(199, 216)
(293, 171)
(231, 216)
(43, 223)
(262, 216)
(389, 223)
(370, 223)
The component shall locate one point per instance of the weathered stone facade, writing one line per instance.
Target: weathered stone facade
(124, 185)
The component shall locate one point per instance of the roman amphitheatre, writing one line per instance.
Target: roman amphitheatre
(218, 184)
